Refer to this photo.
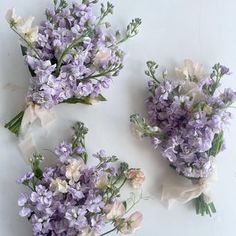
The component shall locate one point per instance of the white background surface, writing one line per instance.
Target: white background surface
(172, 30)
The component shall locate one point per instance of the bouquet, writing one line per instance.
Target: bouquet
(186, 120)
(72, 56)
(75, 199)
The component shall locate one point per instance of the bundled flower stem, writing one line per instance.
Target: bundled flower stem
(71, 55)
(75, 199)
(186, 120)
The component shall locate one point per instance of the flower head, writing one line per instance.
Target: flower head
(115, 210)
(59, 186)
(12, 18)
(136, 177)
(27, 177)
(191, 71)
(132, 223)
(103, 56)
(73, 170)
(63, 151)
(189, 116)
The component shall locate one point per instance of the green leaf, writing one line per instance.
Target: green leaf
(85, 100)
(101, 98)
(216, 144)
(23, 50)
(197, 107)
(35, 163)
(38, 173)
(74, 100)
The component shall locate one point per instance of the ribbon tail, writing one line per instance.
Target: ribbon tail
(172, 195)
(27, 147)
(31, 114)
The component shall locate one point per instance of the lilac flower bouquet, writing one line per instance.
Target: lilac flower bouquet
(72, 55)
(186, 120)
(72, 198)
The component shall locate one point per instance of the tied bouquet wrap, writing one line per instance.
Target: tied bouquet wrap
(72, 55)
(186, 120)
(75, 199)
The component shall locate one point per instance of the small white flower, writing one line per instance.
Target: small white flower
(192, 89)
(25, 25)
(207, 109)
(59, 186)
(25, 28)
(32, 35)
(115, 210)
(103, 56)
(73, 170)
(191, 71)
(12, 18)
(154, 129)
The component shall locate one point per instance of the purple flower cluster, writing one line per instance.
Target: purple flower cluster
(77, 57)
(72, 198)
(72, 55)
(187, 120)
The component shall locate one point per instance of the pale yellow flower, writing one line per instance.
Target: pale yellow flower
(207, 109)
(73, 170)
(191, 71)
(12, 18)
(59, 186)
(25, 28)
(192, 90)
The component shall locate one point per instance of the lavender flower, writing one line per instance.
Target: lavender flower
(71, 55)
(63, 151)
(27, 177)
(186, 119)
(71, 198)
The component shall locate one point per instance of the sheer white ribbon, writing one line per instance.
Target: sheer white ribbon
(181, 194)
(31, 115)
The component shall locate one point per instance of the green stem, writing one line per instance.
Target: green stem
(154, 77)
(123, 183)
(216, 84)
(124, 39)
(28, 43)
(67, 50)
(202, 207)
(110, 231)
(15, 124)
(118, 178)
(102, 74)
